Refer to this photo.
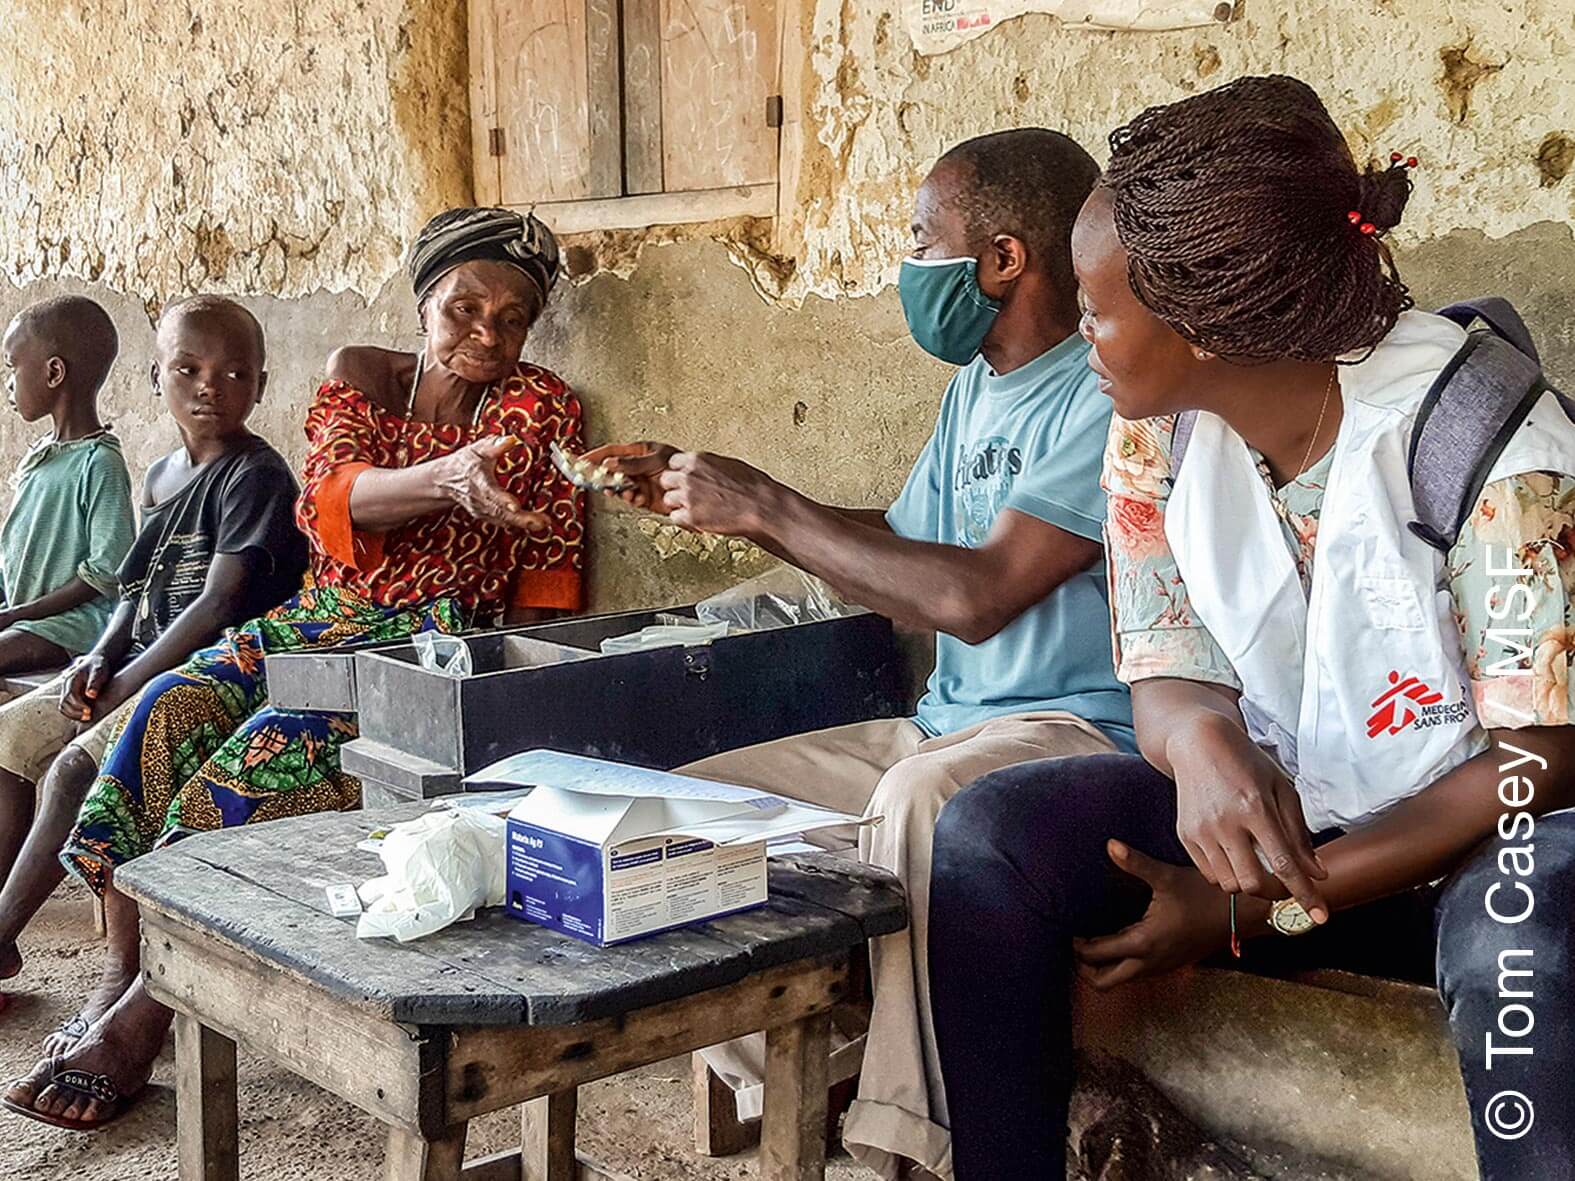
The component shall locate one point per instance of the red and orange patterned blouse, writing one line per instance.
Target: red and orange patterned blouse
(485, 567)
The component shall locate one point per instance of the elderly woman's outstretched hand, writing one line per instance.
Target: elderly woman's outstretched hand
(469, 478)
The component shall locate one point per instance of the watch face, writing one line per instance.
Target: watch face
(1291, 918)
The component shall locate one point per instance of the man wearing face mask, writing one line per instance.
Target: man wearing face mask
(994, 544)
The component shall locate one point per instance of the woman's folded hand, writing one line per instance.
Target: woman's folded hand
(1233, 803)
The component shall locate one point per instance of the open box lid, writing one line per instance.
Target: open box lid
(601, 801)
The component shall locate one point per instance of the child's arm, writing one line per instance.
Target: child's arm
(91, 671)
(64, 597)
(112, 525)
(220, 605)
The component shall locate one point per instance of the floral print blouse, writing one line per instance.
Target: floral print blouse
(1531, 516)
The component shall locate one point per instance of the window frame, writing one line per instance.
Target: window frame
(772, 199)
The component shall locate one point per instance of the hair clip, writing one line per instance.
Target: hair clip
(1409, 161)
(1355, 218)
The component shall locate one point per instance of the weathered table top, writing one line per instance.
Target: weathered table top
(261, 890)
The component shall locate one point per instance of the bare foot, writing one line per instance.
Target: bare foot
(112, 985)
(10, 961)
(121, 1047)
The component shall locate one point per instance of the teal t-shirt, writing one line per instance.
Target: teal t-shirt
(70, 517)
(1030, 440)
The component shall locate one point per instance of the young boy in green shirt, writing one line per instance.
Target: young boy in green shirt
(70, 522)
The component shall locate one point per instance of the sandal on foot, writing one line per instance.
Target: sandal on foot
(88, 1086)
(76, 1029)
(64, 1037)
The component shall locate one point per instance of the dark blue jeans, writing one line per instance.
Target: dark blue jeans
(1020, 870)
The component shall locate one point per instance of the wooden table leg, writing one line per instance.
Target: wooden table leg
(718, 1130)
(793, 1126)
(206, 1118)
(412, 1157)
(547, 1137)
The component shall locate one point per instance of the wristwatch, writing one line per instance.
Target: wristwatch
(1290, 917)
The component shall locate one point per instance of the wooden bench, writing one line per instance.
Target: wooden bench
(1305, 1039)
(489, 1014)
(16, 684)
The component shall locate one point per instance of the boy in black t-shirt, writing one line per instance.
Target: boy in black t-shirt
(218, 545)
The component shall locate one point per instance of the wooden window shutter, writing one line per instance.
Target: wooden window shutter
(719, 66)
(556, 86)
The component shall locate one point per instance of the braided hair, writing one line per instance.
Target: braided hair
(1236, 210)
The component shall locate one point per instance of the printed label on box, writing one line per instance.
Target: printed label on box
(606, 866)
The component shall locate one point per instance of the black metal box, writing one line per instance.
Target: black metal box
(549, 686)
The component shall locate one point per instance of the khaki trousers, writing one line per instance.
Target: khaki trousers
(889, 768)
(33, 730)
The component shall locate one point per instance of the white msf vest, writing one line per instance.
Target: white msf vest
(1359, 690)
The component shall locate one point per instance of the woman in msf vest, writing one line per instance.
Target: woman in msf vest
(1332, 713)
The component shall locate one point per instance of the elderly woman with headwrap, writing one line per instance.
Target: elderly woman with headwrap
(430, 505)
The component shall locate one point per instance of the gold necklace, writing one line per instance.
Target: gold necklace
(1275, 493)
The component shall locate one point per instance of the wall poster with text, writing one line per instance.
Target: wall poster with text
(939, 25)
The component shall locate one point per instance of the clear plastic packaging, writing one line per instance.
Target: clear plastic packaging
(781, 597)
(665, 635)
(443, 654)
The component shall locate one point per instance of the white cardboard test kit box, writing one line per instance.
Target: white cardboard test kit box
(607, 852)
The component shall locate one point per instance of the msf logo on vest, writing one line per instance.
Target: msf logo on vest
(1410, 703)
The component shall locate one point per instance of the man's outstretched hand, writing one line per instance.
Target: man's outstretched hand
(711, 493)
(642, 464)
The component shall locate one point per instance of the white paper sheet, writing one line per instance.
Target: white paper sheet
(577, 773)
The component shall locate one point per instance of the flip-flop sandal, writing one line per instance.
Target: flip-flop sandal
(76, 1029)
(87, 1085)
(73, 1031)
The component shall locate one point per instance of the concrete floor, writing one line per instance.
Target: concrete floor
(290, 1130)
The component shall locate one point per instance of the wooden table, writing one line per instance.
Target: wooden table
(237, 939)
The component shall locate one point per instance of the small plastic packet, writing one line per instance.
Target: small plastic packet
(665, 635)
(443, 654)
(579, 471)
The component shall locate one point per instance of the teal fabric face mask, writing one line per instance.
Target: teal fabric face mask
(947, 313)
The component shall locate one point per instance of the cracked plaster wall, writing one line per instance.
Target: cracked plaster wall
(283, 147)
(285, 152)
(1473, 89)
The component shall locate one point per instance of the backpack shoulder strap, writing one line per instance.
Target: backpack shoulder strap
(1498, 314)
(1474, 407)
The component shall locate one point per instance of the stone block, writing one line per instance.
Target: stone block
(1352, 1071)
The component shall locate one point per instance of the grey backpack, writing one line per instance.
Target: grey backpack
(1475, 405)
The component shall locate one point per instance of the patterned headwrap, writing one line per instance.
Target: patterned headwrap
(466, 234)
